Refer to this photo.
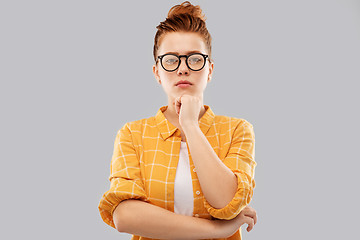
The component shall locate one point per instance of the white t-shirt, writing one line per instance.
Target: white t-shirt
(183, 189)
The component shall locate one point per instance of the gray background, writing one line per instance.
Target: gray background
(73, 72)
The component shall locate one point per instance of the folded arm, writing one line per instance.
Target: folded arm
(160, 223)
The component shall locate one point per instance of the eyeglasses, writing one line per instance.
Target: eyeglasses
(195, 61)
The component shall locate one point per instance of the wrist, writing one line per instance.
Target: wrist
(218, 229)
(190, 127)
(224, 228)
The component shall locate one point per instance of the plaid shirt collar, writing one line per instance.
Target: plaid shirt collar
(167, 129)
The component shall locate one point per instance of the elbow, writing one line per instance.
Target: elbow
(121, 217)
(119, 226)
(241, 199)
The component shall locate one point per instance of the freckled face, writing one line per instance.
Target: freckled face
(182, 43)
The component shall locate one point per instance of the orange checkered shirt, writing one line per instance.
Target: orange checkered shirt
(146, 154)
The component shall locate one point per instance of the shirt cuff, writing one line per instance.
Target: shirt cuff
(111, 200)
(241, 199)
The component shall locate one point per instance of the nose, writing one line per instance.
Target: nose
(183, 68)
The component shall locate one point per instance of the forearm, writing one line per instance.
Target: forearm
(217, 181)
(144, 219)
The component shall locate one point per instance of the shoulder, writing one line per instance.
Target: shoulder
(231, 122)
(139, 125)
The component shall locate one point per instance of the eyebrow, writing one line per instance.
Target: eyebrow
(189, 52)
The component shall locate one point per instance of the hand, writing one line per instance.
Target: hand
(227, 228)
(188, 108)
(248, 215)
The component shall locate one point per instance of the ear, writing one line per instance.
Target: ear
(211, 69)
(156, 73)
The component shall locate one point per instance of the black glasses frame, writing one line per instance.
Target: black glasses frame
(186, 60)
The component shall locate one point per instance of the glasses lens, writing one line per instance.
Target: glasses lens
(196, 61)
(170, 62)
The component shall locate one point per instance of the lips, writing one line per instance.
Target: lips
(183, 82)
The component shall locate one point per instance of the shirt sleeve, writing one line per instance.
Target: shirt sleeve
(240, 160)
(125, 176)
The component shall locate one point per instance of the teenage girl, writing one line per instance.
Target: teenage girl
(184, 173)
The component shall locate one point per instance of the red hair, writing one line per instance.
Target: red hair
(183, 18)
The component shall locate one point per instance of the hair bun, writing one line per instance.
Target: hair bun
(187, 8)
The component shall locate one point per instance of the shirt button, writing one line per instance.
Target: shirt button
(196, 215)
(194, 170)
(198, 192)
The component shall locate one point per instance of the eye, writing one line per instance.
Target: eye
(171, 61)
(195, 60)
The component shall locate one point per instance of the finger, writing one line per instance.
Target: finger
(250, 223)
(177, 109)
(251, 213)
(254, 216)
(177, 105)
